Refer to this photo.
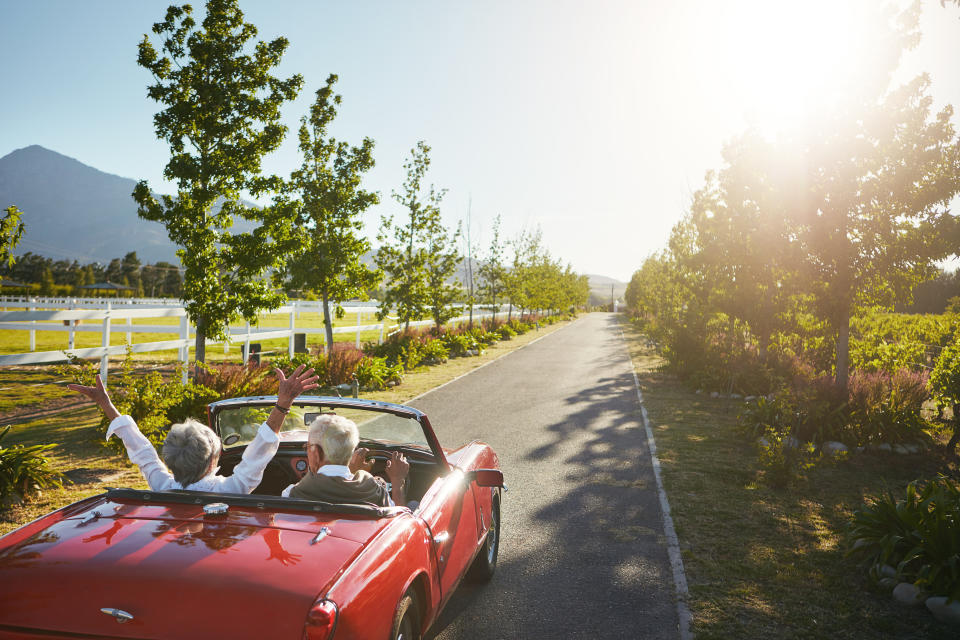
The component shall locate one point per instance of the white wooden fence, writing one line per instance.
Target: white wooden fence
(108, 316)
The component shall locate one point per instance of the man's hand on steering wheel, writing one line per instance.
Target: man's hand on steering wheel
(358, 461)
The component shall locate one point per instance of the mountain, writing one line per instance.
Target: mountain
(600, 289)
(73, 211)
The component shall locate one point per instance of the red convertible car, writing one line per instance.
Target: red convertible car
(180, 564)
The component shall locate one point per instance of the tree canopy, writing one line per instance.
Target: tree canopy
(220, 115)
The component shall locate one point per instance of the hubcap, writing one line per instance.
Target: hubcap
(492, 537)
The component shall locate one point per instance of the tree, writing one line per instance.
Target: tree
(11, 230)
(130, 271)
(492, 271)
(874, 215)
(518, 281)
(221, 115)
(403, 253)
(329, 237)
(442, 258)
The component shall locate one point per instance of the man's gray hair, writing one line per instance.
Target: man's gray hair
(336, 435)
(189, 449)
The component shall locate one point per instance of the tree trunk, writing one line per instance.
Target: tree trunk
(199, 347)
(843, 353)
(327, 322)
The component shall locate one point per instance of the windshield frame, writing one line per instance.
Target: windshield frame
(326, 402)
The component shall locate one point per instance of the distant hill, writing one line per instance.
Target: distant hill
(600, 289)
(74, 211)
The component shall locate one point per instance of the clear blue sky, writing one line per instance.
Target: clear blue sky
(595, 120)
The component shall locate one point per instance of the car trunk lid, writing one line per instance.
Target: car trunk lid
(176, 571)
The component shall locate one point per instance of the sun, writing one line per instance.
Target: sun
(794, 60)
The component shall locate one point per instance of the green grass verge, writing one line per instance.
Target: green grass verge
(761, 562)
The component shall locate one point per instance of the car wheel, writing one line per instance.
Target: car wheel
(486, 562)
(406, 626)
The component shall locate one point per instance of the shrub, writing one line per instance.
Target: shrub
(375, 373)
(784, 460)
(506, 332)
(886, 408)
(459, 343)
(317, 361)
(919, 536)
(237, 380)
(433, 351)
(24, 469)
(342, 360)
(766, 414)
(945, 384)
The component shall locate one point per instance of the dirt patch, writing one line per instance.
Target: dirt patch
(90, 475)
(29, 413)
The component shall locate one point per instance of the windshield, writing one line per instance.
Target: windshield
(238, 425)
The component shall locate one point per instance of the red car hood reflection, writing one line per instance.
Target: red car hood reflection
(177, 572)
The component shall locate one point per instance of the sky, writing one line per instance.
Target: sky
(594, 120)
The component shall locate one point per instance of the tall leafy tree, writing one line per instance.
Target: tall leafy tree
(329, 240)
(403, 252)
(493, 271)
(220, 116)
(442, 259)
(874, 213)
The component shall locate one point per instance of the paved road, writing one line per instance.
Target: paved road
(582, 552)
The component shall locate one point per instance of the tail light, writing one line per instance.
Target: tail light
(321, 621)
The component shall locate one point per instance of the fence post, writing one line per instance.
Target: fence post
(382, 325)
(33, 338)
(357, 342)
(246, 346)
(185, 349)
(73, 323)
(105, 359)
(129, 335)
(293, 326)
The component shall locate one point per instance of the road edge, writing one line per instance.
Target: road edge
(684, 616)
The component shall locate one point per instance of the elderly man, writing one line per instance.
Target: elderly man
(338, 471)
(192, 450)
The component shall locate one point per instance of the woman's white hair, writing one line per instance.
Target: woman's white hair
(189, 450)
(336, 435)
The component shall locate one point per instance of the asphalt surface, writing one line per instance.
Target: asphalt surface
(582, 551)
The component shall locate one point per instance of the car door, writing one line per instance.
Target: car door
(450, 510)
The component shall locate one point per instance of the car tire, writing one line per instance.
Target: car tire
(486, 563)
(406, 623)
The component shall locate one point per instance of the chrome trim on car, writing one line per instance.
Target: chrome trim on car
(120, 615)
(216, 508)
(90, 517)
(323, 533)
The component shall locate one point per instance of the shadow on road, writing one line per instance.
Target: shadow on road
(592, 558)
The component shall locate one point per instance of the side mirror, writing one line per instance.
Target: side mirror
(485, 477)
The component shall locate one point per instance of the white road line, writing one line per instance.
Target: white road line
(673, 545)
(504, 355)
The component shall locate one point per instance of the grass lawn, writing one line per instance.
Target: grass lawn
(91, 467)
(19, 341)
(762, 562)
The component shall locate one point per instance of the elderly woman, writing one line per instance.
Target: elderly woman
(192, 450)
